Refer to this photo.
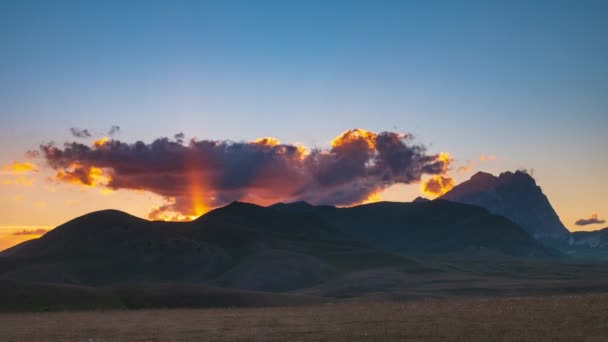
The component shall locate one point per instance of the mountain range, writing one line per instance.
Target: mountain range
(281, 247)
(310, 253)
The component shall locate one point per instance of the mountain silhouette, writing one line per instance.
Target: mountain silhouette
(427, 228)
(514, 195)
(245, 246)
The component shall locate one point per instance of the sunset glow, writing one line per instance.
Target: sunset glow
(188, 170)
(17, 167)
(228, 103)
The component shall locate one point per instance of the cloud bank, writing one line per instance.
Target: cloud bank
(200, 174)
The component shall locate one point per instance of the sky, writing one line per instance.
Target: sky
(499, 85)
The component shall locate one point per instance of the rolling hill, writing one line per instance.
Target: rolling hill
(245, 246)
(243, 254)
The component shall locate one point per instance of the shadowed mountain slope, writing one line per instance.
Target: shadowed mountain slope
(243, 246)
(514, 195)
(428, 228)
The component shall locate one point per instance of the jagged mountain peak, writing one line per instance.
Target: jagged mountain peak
(516, 178)
(514, 195)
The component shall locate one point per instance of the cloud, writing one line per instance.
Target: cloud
(39, 231)
(592, 220)
(17, 167)
(200, 174)
(489, 157)
(20, 180)
(32, 154)
(179, 137)
(437, 185)
(468, 168)
(114, 130)
(80, 133)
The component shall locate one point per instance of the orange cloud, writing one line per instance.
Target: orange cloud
(21, 180)
(490, 157)
(100, 142)
(90, 176)
(446, 160)
(194, 177)
(356, 135)
(437, 185)
(267, 141)
(17, 167)
(469, 167)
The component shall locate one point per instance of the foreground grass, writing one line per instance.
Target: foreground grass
(559, 318)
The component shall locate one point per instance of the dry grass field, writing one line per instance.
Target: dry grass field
(558, 318)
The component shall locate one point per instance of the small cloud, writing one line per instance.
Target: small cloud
(100, 142)
(39, 231)
(17, 167)
(594, 219)
(41, 204)
(267, 141)
(179, 137)
(115, 129)
(80, 133)
(437, 185)
(468, 168)
(21, 180)
(32, 154)
(489, 157)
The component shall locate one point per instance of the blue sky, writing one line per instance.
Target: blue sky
(526, 81)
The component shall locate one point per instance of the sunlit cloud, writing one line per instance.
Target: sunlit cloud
(267, 141)
(437, 186)
(100, 142)
(83, 175)
(18, 167)
(198, 175)
(18, 181)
